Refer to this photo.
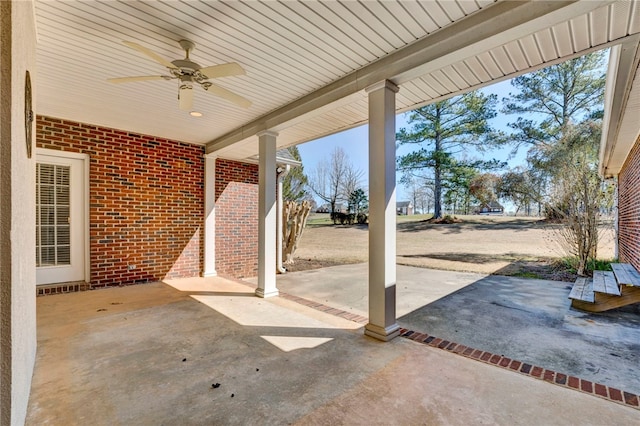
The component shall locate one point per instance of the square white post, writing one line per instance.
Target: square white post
(209, 216)
(267, 215)
(382, 212)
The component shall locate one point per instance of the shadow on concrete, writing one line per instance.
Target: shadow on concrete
(532, 321)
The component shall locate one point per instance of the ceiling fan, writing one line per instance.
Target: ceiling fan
(189, 73)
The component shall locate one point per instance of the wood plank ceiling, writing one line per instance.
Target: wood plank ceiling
(289, 50)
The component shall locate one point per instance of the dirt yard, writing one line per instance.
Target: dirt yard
(499, 245)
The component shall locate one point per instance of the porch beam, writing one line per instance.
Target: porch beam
(382, 212)
(267, 215)
(481, 31)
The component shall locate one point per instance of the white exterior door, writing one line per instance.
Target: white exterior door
(61, 217)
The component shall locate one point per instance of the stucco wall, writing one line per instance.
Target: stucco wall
(17, 270)
(629, 208)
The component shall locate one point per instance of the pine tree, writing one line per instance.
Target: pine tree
(443, 129)
(295, 182)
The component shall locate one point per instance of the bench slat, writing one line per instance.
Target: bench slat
(626, 274)
(605, 282)
(582, 290)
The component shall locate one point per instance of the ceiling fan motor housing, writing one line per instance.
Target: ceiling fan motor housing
(186, 65)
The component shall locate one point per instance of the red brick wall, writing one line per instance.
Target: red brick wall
(146, 201)
(236, 218)
(629, 209)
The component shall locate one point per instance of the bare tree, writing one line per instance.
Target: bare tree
(579, 193)
(352, 181)
(334, 180)
(420, 192)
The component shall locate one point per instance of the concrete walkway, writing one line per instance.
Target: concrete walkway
(149, 354)
(524, 319)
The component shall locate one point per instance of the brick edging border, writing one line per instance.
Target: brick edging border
(564, 380)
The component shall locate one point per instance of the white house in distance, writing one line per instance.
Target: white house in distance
(404, 208)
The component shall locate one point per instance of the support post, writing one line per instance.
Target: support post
(209, 216)
(267, 215)
(382, 212)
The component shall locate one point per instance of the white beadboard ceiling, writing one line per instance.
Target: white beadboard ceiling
(292, 51)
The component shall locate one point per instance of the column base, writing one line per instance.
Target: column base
(261, 293)
(384, 334)
(210, 274)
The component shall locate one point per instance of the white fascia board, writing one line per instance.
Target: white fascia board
(609, 121)
(623, 66)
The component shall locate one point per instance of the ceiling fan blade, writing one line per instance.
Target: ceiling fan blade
(150, 53)
(138, 78)
(226, 94)
(223, 70)
(185, 97)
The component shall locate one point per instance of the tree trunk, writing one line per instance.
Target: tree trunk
(294, 220)
(333, 212)
(437, 172)
(437, 206)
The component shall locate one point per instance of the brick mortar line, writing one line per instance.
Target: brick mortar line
(556, 378)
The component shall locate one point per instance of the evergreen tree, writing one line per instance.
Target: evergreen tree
(295, 182)
(443, 129)
(358, 201)
(550, 100)
(564, 103)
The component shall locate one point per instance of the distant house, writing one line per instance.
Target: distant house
(490, 208)
(404, 208)
(326, 208)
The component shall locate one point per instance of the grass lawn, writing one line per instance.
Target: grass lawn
(503, 245)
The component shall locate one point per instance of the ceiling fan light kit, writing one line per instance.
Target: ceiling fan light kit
(189, 73)
(185, 96)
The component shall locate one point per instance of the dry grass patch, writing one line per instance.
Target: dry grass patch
(485, 244)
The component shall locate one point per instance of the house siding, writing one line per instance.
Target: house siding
(146, 201)
(236, 218)
(629, 208)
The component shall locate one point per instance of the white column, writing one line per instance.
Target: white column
(267, 215)
(209, 216)
(382, 212)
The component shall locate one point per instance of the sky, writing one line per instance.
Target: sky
(355, 144)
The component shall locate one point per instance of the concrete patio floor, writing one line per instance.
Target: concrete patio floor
(525, 319)
(149, 354)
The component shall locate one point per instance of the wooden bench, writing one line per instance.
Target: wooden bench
(607, 290)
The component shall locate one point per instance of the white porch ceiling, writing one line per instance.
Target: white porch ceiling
(294, 51)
